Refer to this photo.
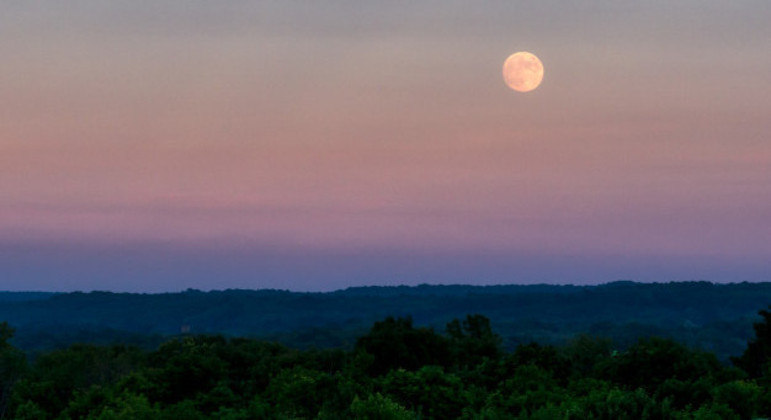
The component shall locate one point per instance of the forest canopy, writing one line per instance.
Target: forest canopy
(397, 370)
(713, 317)
(691, 350)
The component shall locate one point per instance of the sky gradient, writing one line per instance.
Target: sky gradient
(151, 146)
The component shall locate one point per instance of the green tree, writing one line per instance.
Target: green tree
(473, 340)
(379, 407)
(30, 410)
(184, 368)
(12, 367)
(395, 343)
(57, 377)
(299, 392)
(547, 358)
(429, 391)
(585, 352)
(618, 404)
(129, 406)
(652, 361)
(528, 388)
(715, 411)
(742, 397)
(755, 358)
(185, 409)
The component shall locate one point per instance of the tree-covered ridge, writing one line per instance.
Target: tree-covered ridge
(397, 370)
(714, 317)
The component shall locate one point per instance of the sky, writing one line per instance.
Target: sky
(152, 146)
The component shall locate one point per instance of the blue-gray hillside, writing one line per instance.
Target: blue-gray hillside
(714, 317)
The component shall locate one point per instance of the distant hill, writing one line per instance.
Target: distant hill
(714, 317)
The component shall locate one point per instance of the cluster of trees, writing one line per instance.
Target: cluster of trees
(395, 371)
(714, 317)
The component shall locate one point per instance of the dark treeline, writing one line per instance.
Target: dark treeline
(714, 317)
(396, 370)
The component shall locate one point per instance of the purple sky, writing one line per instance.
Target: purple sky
(150, 146)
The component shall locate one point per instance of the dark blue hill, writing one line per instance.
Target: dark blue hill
(715, 317)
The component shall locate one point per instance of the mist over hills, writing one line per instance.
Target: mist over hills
(714, 317)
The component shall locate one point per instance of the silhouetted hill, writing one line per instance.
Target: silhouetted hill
(714, 317)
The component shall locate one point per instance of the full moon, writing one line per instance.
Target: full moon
(522, 71)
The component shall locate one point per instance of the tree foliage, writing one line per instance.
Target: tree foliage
(757, 356)
(396, 371)
(703, 315)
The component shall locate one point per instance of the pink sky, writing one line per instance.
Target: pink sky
(364, 127)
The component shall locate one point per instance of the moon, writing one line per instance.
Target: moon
(522, 71)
